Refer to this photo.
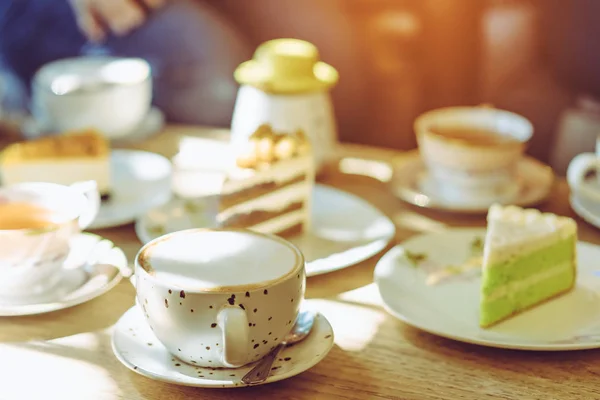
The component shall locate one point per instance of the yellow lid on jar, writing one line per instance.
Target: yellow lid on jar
(287, 66)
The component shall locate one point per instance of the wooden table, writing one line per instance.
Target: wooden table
(67, 354)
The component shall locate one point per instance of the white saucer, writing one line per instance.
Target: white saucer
(450, 308)
(586, 209)
(140, 181)
(346, 229)
(135, 345)
(411, 183)
(93, 267)
(151, 125)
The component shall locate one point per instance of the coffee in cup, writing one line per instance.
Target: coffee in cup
(579, 168)
(37, 221)
(220, 298)
(472, 153)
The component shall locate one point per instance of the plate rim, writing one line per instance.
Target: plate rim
(140, 230)
(161, 378)
(117, 222)
(391, 255)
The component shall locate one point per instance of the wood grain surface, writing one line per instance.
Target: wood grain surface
(67, 354)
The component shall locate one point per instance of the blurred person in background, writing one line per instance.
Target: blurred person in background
(193, 46)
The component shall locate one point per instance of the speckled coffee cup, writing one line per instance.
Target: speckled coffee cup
(220, 298)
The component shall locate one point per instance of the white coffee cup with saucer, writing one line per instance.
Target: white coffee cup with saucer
(472, 153)
(110, 94)
(37, 223)
(219, 298)
(583, 176)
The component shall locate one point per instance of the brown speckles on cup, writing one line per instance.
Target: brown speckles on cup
(265, 291)
(287, 359)
(265, 342)
(231, 300)
(213, 325)
(231, 374)
(275, 368)
(182, 294)
(192, 310)
(256, 309)
(170, 291)
(327, 337)
(149, 344)
(242, 306)
(210, 307)
(178, 365)
(247, 294)
(178, 349)
(207, 347)
(256, 345)
(249, 323)
(292, 300)
(166, 303)
(270, 318)
(270, 333)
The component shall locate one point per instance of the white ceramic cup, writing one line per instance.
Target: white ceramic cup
(31, 259)
(219, 298)
(579, 168)
(110, 94)
(464, 171)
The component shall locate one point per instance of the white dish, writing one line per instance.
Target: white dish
(587, 209)
(94, 266)
(412, 183)
(450, 308)
(346, 229)
(151, 125)
(137, 348)
(140, 181)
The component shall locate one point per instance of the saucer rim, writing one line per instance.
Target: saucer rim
(404, 190)
(45, 308)
(201, 382)
(583, 212)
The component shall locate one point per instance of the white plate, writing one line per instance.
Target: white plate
(346, 229)
(450, 308)
(140, 181)
(411, 183)
(137, 348)
(93, 267)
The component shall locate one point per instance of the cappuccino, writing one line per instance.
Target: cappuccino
(213, 260)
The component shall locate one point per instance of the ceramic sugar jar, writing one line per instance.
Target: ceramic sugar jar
(286, 86)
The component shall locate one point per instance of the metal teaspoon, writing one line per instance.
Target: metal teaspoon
(260, 372)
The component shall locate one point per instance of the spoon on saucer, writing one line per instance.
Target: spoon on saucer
(300, 330)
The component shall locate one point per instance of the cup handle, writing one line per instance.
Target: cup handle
(233, 322)
(578, 168)
(90, 190)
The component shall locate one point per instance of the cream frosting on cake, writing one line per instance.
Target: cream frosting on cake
(270, 187)
(528, 257)
(63, 159)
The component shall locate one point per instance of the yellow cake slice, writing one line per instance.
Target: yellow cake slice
(529, 257)
(269, 189)
(64, 159)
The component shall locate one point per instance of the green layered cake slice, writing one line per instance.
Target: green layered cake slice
(528, 257)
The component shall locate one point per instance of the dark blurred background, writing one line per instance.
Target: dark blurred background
(399, 58)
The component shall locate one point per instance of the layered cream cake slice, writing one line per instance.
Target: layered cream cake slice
(528, 257)
(63, 159)
(269, 189)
